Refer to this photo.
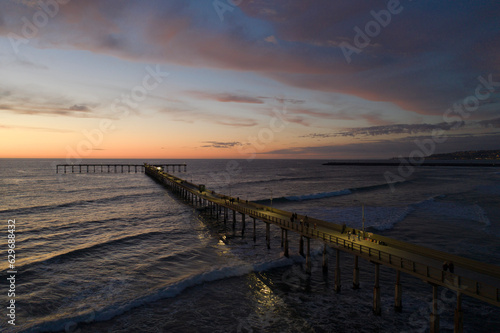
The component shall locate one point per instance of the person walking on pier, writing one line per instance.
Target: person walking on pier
(343, 228)
(451, 267)
(349, 235)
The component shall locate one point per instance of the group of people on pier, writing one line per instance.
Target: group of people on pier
(303, 222)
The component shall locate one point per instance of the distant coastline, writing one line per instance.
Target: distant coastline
(475, 158)
(468, 155)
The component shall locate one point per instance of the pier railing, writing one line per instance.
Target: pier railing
(115, 168)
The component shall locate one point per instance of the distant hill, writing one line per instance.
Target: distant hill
(468, 155)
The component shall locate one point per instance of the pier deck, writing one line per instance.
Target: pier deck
(472, 278)
(114, 168)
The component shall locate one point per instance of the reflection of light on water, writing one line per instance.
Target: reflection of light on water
(266, 305)
(265, 300)
(268, 310)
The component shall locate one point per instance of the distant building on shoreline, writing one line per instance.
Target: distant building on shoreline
(468, 155)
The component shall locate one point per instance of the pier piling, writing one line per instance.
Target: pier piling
(301, 246)
(337, 285)
(325, 260)
(377, 310)
(234, 220)
(398, 307)
(254, 234)
(355, 274)
(434, 315)
(308, 255)
(242, 225)
(286, 243)
(459, 316)
(268, 235)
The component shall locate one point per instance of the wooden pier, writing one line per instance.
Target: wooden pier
(472, 278)
(116, 168)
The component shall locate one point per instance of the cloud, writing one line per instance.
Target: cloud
(428, 57)
(389, 148)
(287, 100)
(395, 129)
(25, 63)
(271, 39)
(226, 97)
(36, 101)
(47, 110)
(489, 123)
(43, 129)
(237, 122)
(407, 129)
(81, 108)
(191, 115)
(220, 144)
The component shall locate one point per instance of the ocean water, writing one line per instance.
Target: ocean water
(119, 253)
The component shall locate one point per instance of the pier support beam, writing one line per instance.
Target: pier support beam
(398, 306)
(254, 233)
(459, 315)
(325, 260)
(268, 235)
(282, 236)
(301, 246)
(308, 256)
(355, 274)
(337, 285)
(434, 315)
(234, 220)
(226, 212)
(377, 310)
(286, 243)
(242, 225)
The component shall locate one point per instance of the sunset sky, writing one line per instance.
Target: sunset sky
(247, 78)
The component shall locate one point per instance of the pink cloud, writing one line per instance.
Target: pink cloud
(426, 59)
